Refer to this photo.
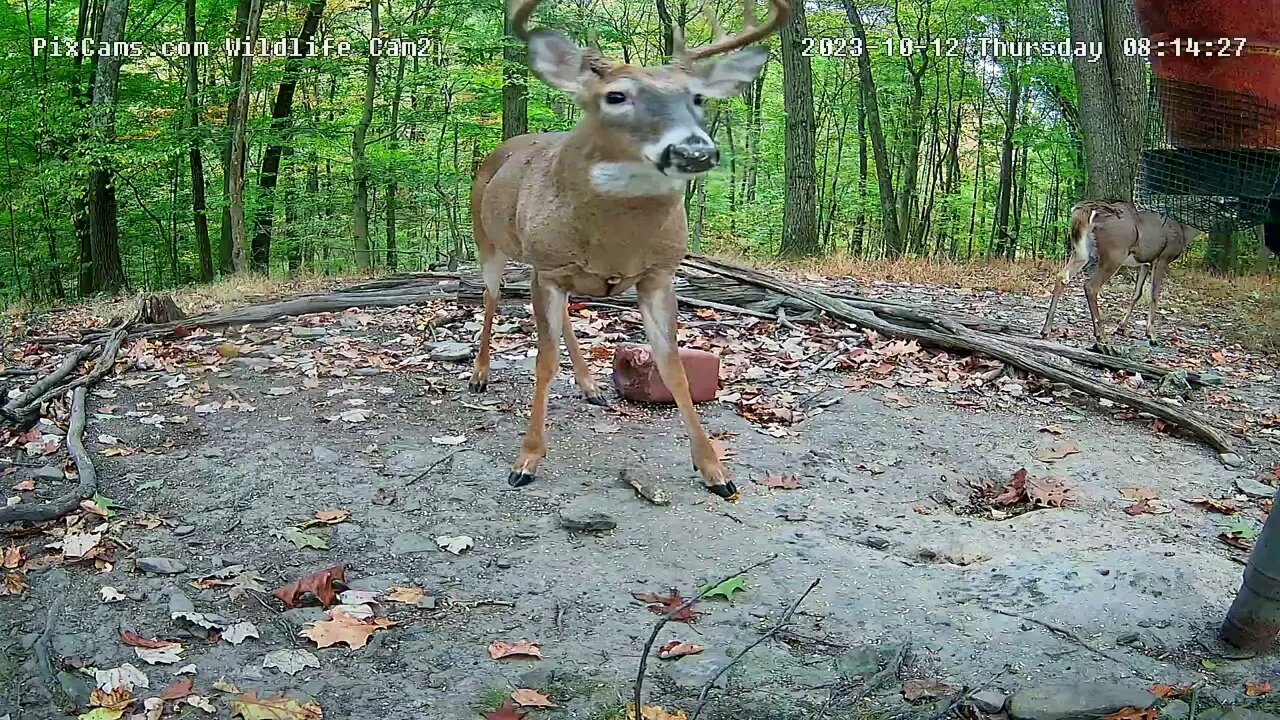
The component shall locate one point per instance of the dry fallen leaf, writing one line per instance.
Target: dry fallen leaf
(676, 649)
(1138, 494)
(251, 707)
(456, 544)
(531, 698)
(1057, 451)
(1226, 507)
(1047, 492)
(328, 517)
(240, 632)
(664, 604)
(1257, 689)
(343, 628)
(913, 690)
(1131, 713)
(133, 639)
(407, 595)
(499, 649)
(13, 556)
(177, 689)
(1146, 506)
(654, 712)
(289, 662)
(319, 584)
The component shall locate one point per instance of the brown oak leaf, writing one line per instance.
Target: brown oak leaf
(1138, 494)
(1057, 451)
(1226, 507)
(177, 689)
(1131, 713)
(13, 557)
(663, 604)
(913, 690)
(117, 699)
(508, 711)
(328, 517)
(499, 649)
(676, 649)
(251, 707)
(133, 639)
(343, 628)
(1170, 691)
(319, 584)
(1015, 491)
(531, 698)
(655, 712)
(407, 595)
(1047, 492)
(1257, 689)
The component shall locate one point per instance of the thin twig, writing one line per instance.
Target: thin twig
(42, 649)
(888, 673)
(662, 621)
(1062, 630)
(88, 477)
(957, 699)
(786, 617)
(433, 465)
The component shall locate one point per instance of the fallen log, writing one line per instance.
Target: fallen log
(957, 337)
(86, 486)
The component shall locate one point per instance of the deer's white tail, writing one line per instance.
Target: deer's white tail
(1083, 244)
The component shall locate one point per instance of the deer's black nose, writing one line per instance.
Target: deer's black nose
(695, 155)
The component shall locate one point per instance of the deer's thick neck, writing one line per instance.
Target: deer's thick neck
(591, 165)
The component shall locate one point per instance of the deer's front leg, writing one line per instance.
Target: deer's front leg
(658, 308)
(548, 315)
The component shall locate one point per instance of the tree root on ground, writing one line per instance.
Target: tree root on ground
(88, 476)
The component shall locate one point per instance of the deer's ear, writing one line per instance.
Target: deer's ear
(729, 74)
(559, 61)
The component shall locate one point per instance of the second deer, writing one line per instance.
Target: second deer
(598, 209)
(1112, 235)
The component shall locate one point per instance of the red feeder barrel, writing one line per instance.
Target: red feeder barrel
(1254, 74)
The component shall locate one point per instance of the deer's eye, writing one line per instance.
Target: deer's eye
(698, 99)
(615, 97)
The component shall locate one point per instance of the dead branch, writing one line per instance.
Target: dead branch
(26, 407)
(953, 336)
(1064, 631)
(888, 673)
(964, 696)
(16, 410)
(88, 476)
(662, 621)
(786, 617)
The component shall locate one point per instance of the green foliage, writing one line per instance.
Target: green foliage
(449, 102)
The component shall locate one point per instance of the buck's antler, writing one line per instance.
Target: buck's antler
(723, 42)
(520, 12)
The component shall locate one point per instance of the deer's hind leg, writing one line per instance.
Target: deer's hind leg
(1143, 271)
(1158, 269)
(581, 373)
(1074, 265)
(492, 262)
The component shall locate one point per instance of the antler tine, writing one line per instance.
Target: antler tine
(717, 30)
(750, 33)
(521, 11)
(678, 49)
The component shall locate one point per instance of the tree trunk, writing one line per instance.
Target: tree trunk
(515, 84)
(360, 163)
(233, 107)
(393, 188)
(754, 103)
(1004, 192)
(884, 177)
(106, 273)
(860, 220)
(239, 251)
(199, 210)
(1113, 97)
(799, 215)
(668, 29)
(260, 259)
(1019, 201)
(911, 162)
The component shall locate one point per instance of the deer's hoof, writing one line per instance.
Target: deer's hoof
(728, 491)
(520, 479)
(476, 386)
(598, 399)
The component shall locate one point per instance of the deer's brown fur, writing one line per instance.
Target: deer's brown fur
(1112, 235)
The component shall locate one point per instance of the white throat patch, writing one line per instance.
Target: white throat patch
(634, 179)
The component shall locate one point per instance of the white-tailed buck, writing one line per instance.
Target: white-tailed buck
(598, 209)
(1112, 235)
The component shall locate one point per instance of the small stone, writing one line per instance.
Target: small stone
(212, 452)
(1175, 710)
(412, 544)
(1210, 378)
(308, 332)
(504, 564)
(1253, 488)
(366, 372)
(184, 530)
(299, 617)
(49, 472)
(875, 542)
(450, 351)
(537, 676)
(428, 603)
(160, 565)
(579, 518)
(1076, 701)
(1231, 459)
(136, 596)
(988, 701)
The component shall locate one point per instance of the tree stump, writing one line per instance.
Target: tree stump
(160, 309)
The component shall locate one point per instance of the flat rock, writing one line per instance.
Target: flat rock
(1176, 710)
(160, 565)
(48, 472)
(989, 701)
(580, 517)
(308, 332)
(1174, 385)
(1253, 488)
(184, 530)
(450, 351)
(1234, 713)
(302, 616)
(413, 543)
(1076, 701)
(322, 454)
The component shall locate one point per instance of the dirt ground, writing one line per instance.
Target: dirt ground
(216, 458)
